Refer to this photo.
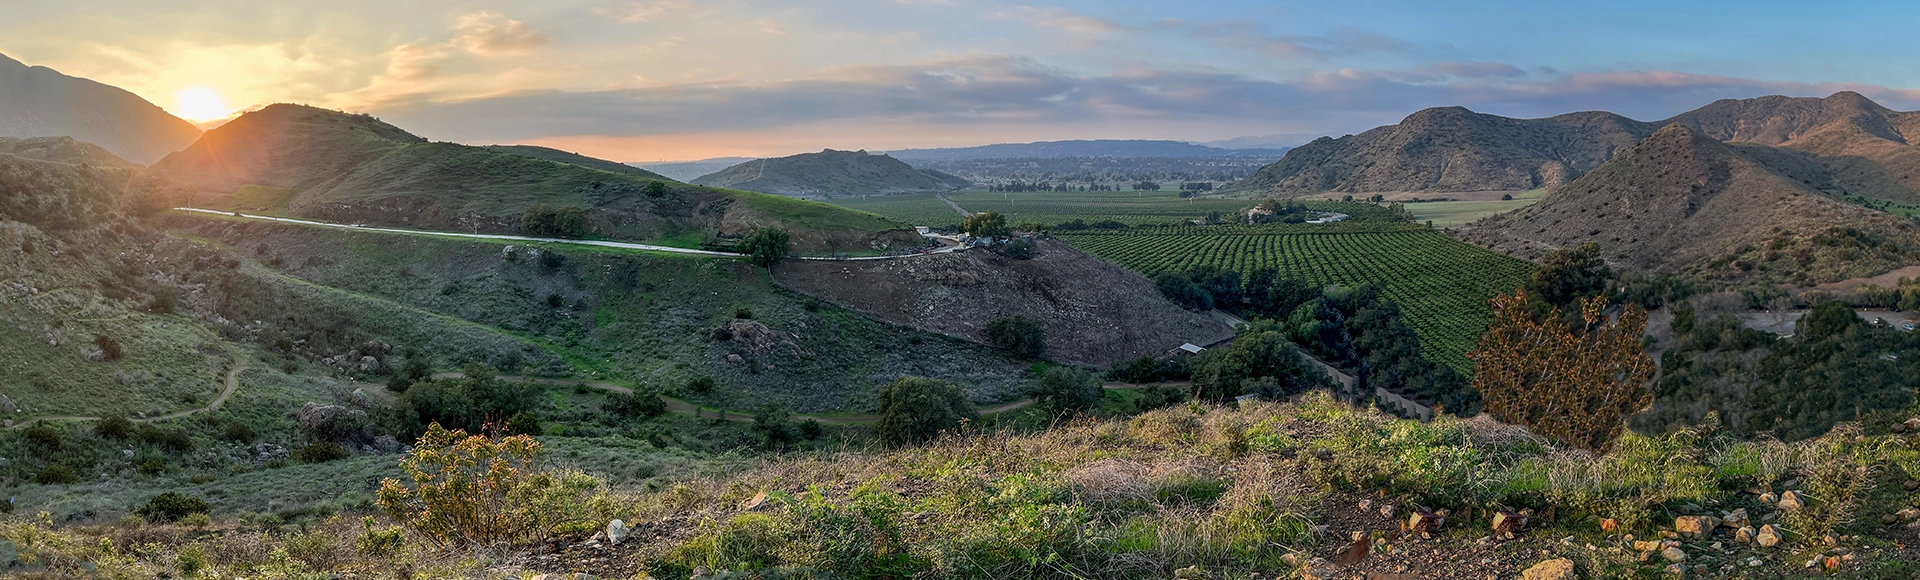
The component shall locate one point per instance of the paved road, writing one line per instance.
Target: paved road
(600, 243)
(683, 407)
(232, 382)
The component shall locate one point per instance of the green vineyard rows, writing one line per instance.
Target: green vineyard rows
(1441, 284)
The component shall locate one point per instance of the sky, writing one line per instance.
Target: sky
(651, 80)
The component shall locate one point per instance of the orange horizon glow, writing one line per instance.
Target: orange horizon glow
(200, 105)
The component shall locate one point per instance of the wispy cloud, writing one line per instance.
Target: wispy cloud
(643, 12)
(492, 33)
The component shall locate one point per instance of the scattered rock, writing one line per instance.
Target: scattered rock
(1318, 571)
(1735, 519)
(1745, 535)
(1769, 498)
(1674, 554)
(360, 399)
(1908, 514)
(1677, 570)
(1505, 523)
(1364, 505)
(1423, 521)
(1790, 501)
(616, 531)
(1646, 546)
(1767, 537)
(1609, 524)
(1555, 569)
(701, 571)
(1695, 525)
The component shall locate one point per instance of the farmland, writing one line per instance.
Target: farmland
(1440, 283)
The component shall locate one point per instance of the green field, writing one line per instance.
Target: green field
(920, 209)
(1440, 283)
(1453, 213)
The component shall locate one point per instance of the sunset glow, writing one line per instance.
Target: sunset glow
(199, 104)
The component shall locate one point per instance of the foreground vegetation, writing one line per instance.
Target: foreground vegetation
(1262, 489)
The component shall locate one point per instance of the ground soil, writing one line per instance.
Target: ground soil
(1094, 313)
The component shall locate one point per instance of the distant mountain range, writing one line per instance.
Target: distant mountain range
(688, 170)
(1861, 145)
(1117, 148)
(40, 102)
(831, 173)
(63, 150)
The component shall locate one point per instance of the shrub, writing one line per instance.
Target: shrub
(1018, 250)
(321, 452)
(811, 429)
(109, 347)
(200, 520)
(238, 432)
(915, 409)
(169, 507)
(987, 224)
(646, 404)
(702, 385)
(474, 490)
(656, 189)
(380, 542)
(545, 221)
(170, 440)
(115, 427)
(743, 313)
(56, 473)
(765, 247)
(1065, 390)
(523, 423)
(43, 437)
(1019, 335)
(153, 467)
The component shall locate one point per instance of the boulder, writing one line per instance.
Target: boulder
(616, 530)
(1735, 519)
(1506, 522)
(1423, 521)
(360, 399)
(1745, 535)
(1674, 554)
(1695, 525)
(1646, 546)
(1790, 501)
(1768, 537)
(1555, 569)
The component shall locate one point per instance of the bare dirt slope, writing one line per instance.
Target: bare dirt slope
(1094, 312)
(1682, 201)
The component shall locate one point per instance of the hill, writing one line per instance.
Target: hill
(1681, 201)
(1093, 312)
(1122, 148)
(316, 163)
(63, 150)
(40, 102)
(558, 156)
(1862, 149)
(1450, 149)
(831, 173)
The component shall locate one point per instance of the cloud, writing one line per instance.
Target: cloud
(1059, 18)
(643, 12)
(492, 33)
(1024, 95)
(1252, 37)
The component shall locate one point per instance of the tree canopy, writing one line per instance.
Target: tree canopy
(1576, 384)
(765, 247)
(915, 409)
(986, 224)
(1569, 275)
(1018, 334)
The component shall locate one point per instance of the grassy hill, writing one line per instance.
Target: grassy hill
(37, 101)
(830, 174)
(63, 150)
(328, 165)
(1681, 201)
(558, 156)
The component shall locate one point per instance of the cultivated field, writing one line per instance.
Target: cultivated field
(1440, 283)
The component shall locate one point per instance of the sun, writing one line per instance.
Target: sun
(199, 104)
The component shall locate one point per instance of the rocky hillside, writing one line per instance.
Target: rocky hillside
(1450, 149)
(317, 163)
(831, 173)
(1094, 312)
(62, 150)
(1860, 148)
(41, 102)
(1683, 201)
(558, 156)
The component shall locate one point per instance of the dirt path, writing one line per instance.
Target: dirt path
(232, 382)
(956, 207)
(686, 408)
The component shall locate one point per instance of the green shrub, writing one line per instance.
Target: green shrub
(115, 427)
(644, 403)
(1018, 250)
(915, 409)
(765, 247)
(169, 507)
(1019, 335)
(170, 440)
(192, 559)
(523, 423)
(153, 467)
(56, 473)
(321, 452)
(474, 490)
(702, 385)
(656, 189)
(109, 347)
(238, 432)
(43, 437)
(380, 542)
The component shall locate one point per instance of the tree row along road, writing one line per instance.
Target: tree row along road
(232, 382)
(680, 406)
(507, 237)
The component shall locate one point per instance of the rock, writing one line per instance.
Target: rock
(1695, 525)
(735, 359)
(1674, 554)
(1908, 514)
(617, 530)
(1364, 505)
(1912, 485)
(1769, 498)
(360, 399)
(7, 406)
(1745, 535)
(1735, 519)
(1506, 522)
(757, 502)
(1767, 537)
(386, 444)
(1677, 570)
(1386, 511)
(1609, 524)
(9, 553)
(1423, 521)
(1191, 573)
(1790, 501)
(701, 571)
(1754, 562)
(1319, 571)
(1555, 569)
(1646, 546)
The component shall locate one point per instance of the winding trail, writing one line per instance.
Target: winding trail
(232, 383)
(687, 408)
(601, 243)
